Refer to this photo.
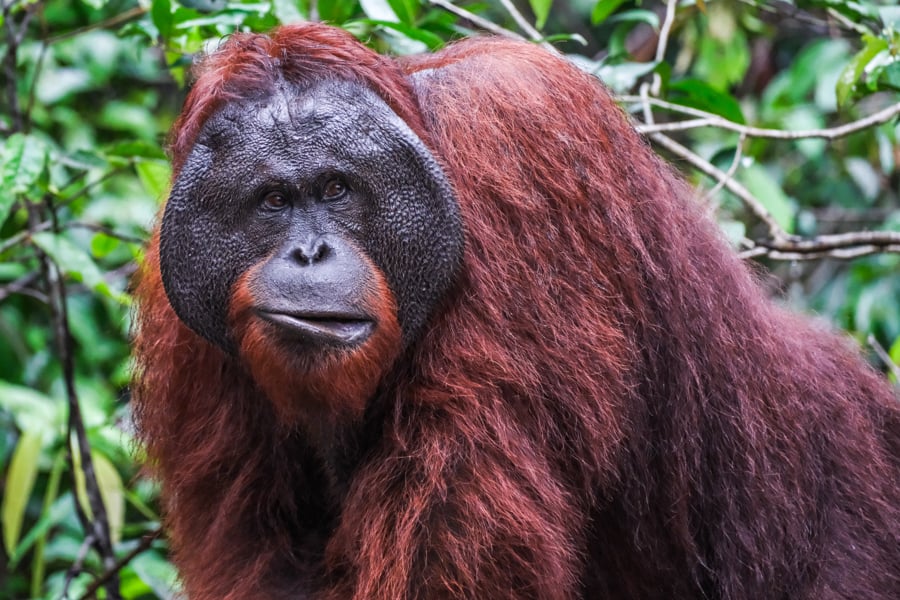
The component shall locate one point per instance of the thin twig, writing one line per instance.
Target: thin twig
(847, 23)
(521, 21)
(143, 546)
(89, 186)
(732, 169)
(884, 356)
(98, 527)
(645, 103)
(15, 240)
(20, 285)
(100, 521)
(76, 567)
(663, 42)
(475, 19)
(124, 237)
(706, 119)
(113, 21)
(706, 167)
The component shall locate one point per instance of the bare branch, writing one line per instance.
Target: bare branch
(854, 245)
(730, 184)
(76, 567)
(521, 21)
(114, 21)
(735, 163)
(663, 42)
(884, 356)
(21, 285)
(706, 119)
(104, 230)
(97, 528)
(475, 19)
(143, 546)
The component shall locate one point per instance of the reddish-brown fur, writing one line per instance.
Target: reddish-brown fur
(605, 406)
(337, 387)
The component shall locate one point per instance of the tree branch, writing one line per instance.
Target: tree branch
(97, 529)
(732, 185)
(521, 21)
(706, 119)
(475, 19)
(143, 546)
(663, 42)
(884, 356)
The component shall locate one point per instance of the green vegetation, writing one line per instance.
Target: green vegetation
(89, 89)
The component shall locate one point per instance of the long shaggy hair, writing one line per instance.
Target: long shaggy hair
(604, 406)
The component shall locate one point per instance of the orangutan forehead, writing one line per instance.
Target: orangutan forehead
(298, 113)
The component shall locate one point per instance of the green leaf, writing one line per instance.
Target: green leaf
(722, 60)
(407, 10)
(566, 37)
(890, 77)
(161, 14)
(136, 149)
(204, 5)
(622, 77)
(379, 10)
(895, 355)
(541, 10)
(852, 73)
(155, 176)
(10, 271)
(112, 492)
(75, 262)
(431, 40)
(637, 15)
(157, 573)
(855, 11)
(102, 244)
(287, 11)
(700, 95)
(763, 186)
(20, 478)
(32, 410)
(60, 509)
(603, 9)
(23, 160)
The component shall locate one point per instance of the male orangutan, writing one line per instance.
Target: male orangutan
(446, 328)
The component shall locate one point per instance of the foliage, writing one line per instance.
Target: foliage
(90, 87)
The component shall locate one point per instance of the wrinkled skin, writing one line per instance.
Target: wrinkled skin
(306, 182)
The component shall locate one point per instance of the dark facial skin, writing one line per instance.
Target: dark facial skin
(309, 189)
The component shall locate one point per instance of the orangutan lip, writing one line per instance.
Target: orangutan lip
(326, 327)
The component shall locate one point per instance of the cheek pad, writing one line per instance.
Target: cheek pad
(200, 255)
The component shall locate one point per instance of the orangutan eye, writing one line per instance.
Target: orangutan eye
(274, 201)
(333, 189)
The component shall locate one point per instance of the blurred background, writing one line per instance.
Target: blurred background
(782, 114)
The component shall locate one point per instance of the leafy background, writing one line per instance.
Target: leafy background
(89, 89)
